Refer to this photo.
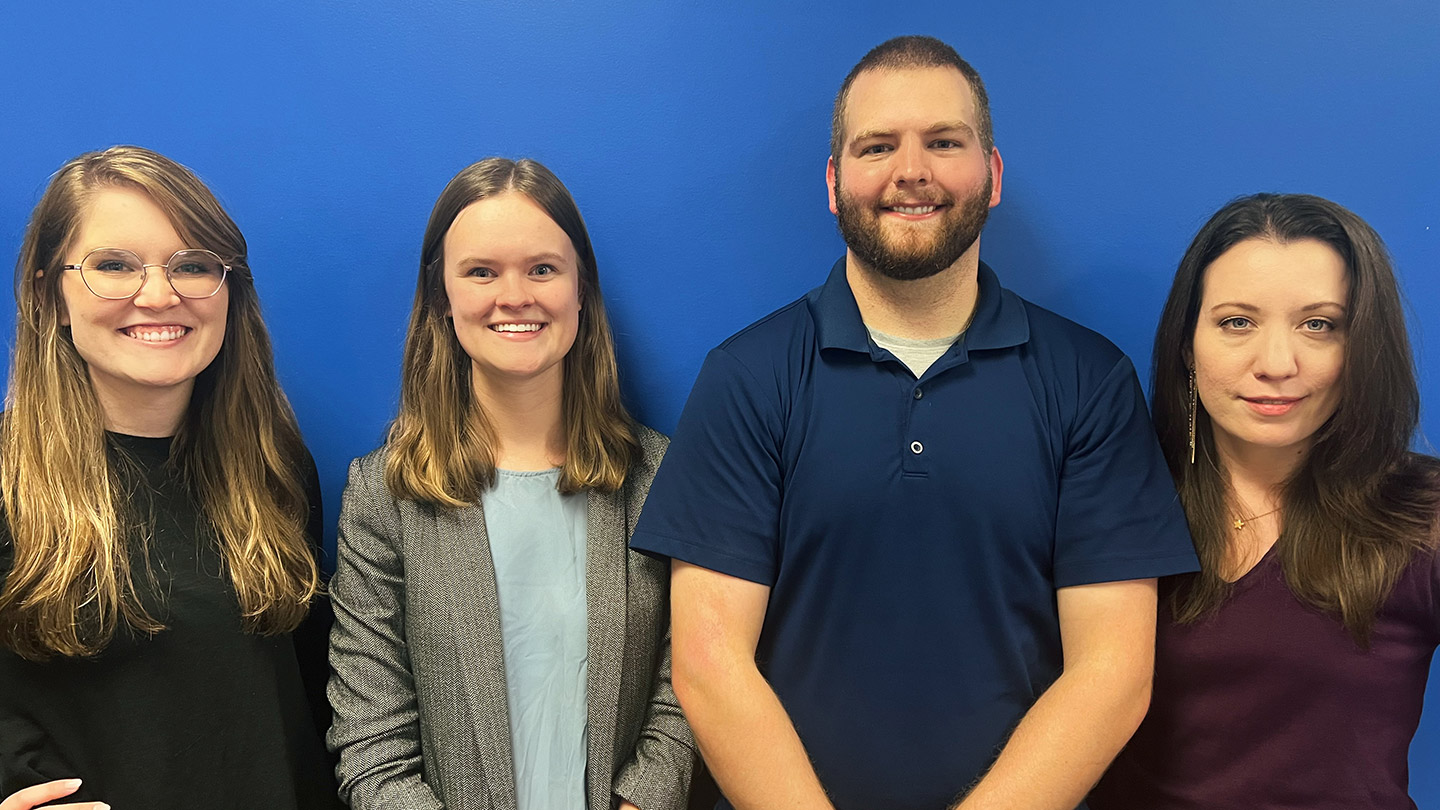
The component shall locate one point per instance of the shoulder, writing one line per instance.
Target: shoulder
(773, 338)
(1063, 341)
(643, 467)
(652, 445)
(1074, 367)
(367, 473)
(758, 368)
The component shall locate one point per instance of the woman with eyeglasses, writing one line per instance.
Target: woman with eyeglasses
(1291, 670)
(496, 644)
(161, 514)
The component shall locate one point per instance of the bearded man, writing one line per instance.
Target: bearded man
(914, 520)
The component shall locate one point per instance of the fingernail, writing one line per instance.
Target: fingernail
(71, 783)
(102, 806)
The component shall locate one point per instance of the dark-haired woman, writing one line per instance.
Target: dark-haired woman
(496, 643)
(1290, 672)
(161, 514)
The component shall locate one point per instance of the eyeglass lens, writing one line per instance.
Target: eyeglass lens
(113, 273)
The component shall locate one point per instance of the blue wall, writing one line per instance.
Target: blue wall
(695, 141)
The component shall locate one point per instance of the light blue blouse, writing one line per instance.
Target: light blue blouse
(537, 540)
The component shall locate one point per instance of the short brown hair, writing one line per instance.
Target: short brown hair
(905, 53)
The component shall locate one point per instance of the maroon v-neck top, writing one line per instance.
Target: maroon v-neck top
(1269, 703)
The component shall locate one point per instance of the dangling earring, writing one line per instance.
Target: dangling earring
(1192, 416)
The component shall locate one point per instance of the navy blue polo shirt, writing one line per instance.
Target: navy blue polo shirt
(913, 532)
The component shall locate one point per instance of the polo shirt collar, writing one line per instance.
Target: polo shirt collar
(1000, 321)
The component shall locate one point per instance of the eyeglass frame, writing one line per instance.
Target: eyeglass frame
(145, 270)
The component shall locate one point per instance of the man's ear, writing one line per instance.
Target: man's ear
(997, 170)
(830, 175)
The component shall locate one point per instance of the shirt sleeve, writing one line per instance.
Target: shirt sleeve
(1119, 517)
(715, 502)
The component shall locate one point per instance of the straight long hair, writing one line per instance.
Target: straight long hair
(1361, 505)
(238, 445)
(441, 446)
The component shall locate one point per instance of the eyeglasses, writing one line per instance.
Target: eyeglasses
(116, 274)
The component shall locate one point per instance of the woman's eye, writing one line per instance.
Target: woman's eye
(543, 270)
(114, 266)
(1236, 322)
(480, 272)
(1318, 325)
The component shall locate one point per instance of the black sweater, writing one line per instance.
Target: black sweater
(200, 715)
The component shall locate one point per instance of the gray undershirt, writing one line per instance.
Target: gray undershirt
(537, 540)
(917, 355)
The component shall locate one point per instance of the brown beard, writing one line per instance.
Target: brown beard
(862, 233)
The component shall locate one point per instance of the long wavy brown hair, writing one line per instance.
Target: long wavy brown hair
(1362, 505)
(441, 445)
(238, 446)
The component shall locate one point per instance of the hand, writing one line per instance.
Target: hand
(624, 805)
(49, 792)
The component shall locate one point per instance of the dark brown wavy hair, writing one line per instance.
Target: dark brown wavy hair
(1361, 505)
(441, 445)
(237, 446)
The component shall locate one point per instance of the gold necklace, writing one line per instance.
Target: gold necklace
(1241, 521)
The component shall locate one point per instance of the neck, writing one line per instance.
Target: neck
(527, 419)
(1258, 475)
(149, 413)
(926, 308)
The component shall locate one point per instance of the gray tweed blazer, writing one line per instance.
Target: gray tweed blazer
(418, 681)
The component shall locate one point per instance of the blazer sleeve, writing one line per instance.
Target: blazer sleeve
(376, 729)
(657, 776)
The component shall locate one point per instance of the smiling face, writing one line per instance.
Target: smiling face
(1270, 344)
(150, 346)
(913, 185)
(513, 282)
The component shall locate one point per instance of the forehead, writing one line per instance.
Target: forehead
(1266, 273)
(908, 98)
(124, 216)
(507, 221)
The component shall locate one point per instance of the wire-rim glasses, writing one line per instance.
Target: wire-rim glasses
(116, 274)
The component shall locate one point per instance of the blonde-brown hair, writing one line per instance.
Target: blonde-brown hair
(441, 445)
(238, 446)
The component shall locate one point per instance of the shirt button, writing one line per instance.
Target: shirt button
(917, 448)
(919, 393)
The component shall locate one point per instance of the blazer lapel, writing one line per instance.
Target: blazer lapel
(475, 626)
(605, 607)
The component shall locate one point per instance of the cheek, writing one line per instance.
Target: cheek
(1213, 370)
(1209, 389)
(67, 292)
(571, 310)
(1327, 375)
(221, 322)
(465, 302)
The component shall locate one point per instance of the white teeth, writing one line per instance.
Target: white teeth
(157, 335)
(516, 327)
(918, 209)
